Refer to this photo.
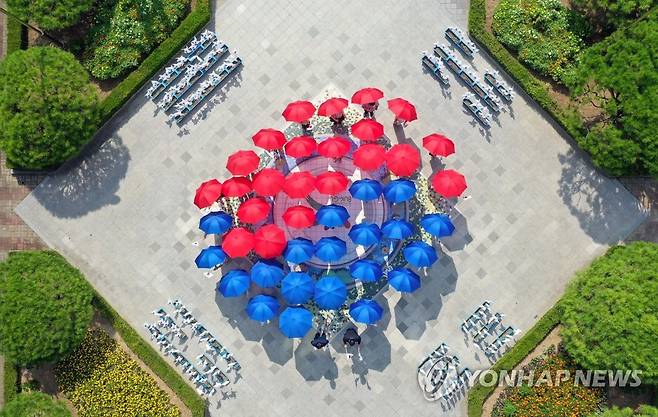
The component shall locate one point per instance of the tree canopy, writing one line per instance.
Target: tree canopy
(606, 15)
(50, 14)
(34, 404)
(642, 411)
(45, 307)
(48, 108)
(610, 318)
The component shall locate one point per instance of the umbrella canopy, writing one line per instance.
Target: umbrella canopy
(269, 241)
(366, 270)
(330, 248)
(449, 183)
(299, 111)
(210, 257)
(365, 234)
(397, 229)
(297, 288)
(334, 147)
(299, 184)
(332, 106)
(368, 130)
(402, 109)
(330, 293)
(300, 146)
(238, 242)
(234, 283)
(269, 139)
(367, 95)
(366, 189)
(299, 250)
(295, 322)
(331, 183)
(236, 187)
(332, 215)
(253, 210)
(268, 181)
(403, 159)
(366, 311)
(216, 222)
(403, 279)
(438, 145)
(299, 217)
(438, 225)
(399, 190)
(207, 193)
(262, 308)
(242, 162)
(267, 273)
(369, 157)
(420, 254)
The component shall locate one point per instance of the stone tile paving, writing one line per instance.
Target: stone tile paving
(538, 211)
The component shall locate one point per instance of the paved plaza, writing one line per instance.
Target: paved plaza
(537, 210)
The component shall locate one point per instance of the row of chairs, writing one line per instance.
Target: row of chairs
(440, 377)
(494, 79)
(461, 41)
(435, 65)
(482, 324)
(477, 109)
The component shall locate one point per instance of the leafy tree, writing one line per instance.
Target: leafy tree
(610, 312)
(48, 108)
(605, 15)
(45, 307)
(35, 404)
(643, 411)
(50, 14)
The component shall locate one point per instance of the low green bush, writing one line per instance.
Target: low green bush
(16, 35)
(10, 381)
(35, 404)
(48, 14)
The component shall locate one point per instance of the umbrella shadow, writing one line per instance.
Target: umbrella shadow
(461, 236)
(315, 365)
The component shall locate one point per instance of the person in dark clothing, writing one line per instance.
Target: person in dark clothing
(320, 340)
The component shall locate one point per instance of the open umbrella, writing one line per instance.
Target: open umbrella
(330, 292)
(267, 273)
(369, 157)
(262, 308)
(207, 193)
(402, 109)
(297, 287)
(295, 322)
(269, 241)
(403, 279)
(269, 139)
(366, 270)
(334, 147)
(449, 183)
(368, 130)
(253, 210)
(403, 159)
(332, 215)
(330, 249)
(420, 254)
(367, 95)
(299, 250)
(299, 184)
(397, 229)
(331, 183)
(399, 190)
(236, 187)
(332, 106)
(216, 222)
(366, 189)
(299, 111)
(268, 181)
(365, 234)
(299, 217)
(438, 225)
(238, 242)
(366, 311)
(242, 162)
(210, 257)
(300, 146)
(438, 145)
(234, 283)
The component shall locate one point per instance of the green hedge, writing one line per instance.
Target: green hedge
(10, 381)
(16, 35)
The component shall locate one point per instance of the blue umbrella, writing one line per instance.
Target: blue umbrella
(295, 322)
(419, 254)
(262, 308)
(366, 189)
(366, 311)
(297, 287)
(404, 279)
(332, 215)
(397, 229)
(399, 190)
(365, 234)
(267, 273)
(366, 270)
(437, 225)
(330, 249)
(299, 250)
(210, 257)
(234, 283)
(216, 222)
(330, 292)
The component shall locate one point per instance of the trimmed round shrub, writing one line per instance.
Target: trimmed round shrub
(34, 404)
(50, 14)
(642, 411)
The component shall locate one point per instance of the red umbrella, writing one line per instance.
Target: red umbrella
(208, 193)
(236, 187)
(367, 95)
(332, 106)
(238, 242)
(334, 147)
(269, 139)
(403, 159)
(449, 183)
(368, 130)
(268, 181)
(402, 109)
(331, 183)
(438, 145)
(253, 210)
(369, 157)
(243, 162)
(269, 241)
(300, 146)
(299, 111)
(299, 217)
(299, 184)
